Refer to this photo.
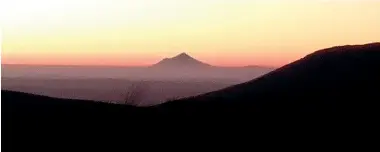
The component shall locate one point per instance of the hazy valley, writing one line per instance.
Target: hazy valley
(172, 78)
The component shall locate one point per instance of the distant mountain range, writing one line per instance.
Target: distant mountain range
(180, 67)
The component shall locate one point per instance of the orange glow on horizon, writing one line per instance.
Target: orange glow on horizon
(218, 32)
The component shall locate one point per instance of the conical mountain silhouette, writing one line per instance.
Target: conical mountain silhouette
(180, 61)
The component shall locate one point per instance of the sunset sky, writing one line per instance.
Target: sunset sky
(219, 32)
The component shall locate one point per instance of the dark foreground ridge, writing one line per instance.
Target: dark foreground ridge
(340, 81)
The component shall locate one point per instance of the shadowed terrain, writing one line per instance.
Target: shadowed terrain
(338, 79)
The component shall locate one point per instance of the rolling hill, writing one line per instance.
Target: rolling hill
(338, 79)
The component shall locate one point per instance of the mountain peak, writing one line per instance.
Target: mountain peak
(181, 60)
(183, 56)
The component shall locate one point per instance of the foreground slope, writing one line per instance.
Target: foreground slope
(39, 123)
(338, 79)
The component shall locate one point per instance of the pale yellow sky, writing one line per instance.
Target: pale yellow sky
(220, 32)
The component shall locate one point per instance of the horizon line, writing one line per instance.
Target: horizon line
(125, 66)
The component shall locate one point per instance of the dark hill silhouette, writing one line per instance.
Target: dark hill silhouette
(337, 79)
(180, 61)
(33, 122)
